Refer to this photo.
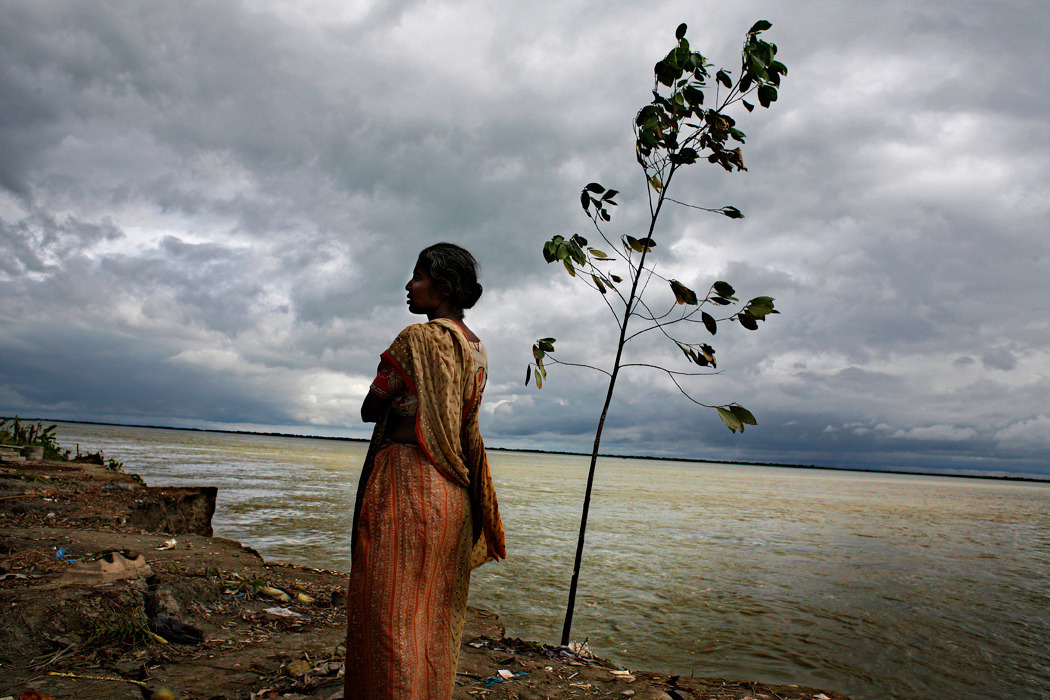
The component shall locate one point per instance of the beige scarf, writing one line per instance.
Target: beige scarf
(437, 366)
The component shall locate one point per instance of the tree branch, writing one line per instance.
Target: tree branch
(556, 361)
(673, 372)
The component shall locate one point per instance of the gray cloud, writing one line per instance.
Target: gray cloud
(208, 212)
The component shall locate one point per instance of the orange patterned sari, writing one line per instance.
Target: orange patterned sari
(425, 516)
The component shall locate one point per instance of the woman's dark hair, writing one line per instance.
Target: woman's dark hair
(450, 264)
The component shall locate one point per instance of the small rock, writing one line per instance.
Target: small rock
(33, 694)
(298, 668)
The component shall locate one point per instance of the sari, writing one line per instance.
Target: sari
(426, 514)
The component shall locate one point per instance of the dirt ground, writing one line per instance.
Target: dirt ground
(111, 589)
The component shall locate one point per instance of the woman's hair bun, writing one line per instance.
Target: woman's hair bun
(471, 295)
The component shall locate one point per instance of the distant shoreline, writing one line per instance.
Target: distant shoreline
(692, 460)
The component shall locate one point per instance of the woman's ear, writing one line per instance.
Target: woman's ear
(444, 289)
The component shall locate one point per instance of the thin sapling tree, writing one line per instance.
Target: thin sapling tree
(687, 122)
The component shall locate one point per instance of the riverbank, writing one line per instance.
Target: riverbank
(113, 589)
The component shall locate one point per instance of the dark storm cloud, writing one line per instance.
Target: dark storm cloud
(208, 211)
(106, 373)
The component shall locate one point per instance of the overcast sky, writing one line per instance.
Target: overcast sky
(209, 209)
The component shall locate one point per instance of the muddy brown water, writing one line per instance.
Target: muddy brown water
(874, 585)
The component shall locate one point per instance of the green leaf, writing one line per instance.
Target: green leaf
(640, 245)
(747, 321)
(594, 187)
(609, 194)
(767, 94)
(568, 267)
(528, 374)
(709, 322)
(647, 116)
(546, 344)
(683, 294)
(731, 212)
(723, 77)
(731, 421)
(576, 253)
(539, 381)
(756, 68)
(743, 414)
(597, 253)
(688, 155)
(681, 56)
(680, 32)
(724, 289)
(585, 201)
(759, 26)
(598, 283)
(666, 73)
(656, 184)
(759, 307)
(694, 95)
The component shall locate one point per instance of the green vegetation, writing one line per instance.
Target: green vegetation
(673, 131)
(128, 629)
(18, 434)
(239, 582)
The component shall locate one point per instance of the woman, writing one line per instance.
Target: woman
(426, 511)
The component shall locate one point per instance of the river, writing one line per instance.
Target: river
(876, 585)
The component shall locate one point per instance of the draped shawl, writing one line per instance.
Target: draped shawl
(437, 365)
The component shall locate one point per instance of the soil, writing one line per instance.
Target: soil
(113, 589)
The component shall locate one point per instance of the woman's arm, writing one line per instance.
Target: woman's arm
(373, 407)
(384, 388)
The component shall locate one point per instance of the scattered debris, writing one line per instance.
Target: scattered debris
(111, 566)
(275, 593)
(61, 555)
(501, 676)
(174, 631)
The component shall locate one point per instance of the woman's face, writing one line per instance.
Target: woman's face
(423, 295)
